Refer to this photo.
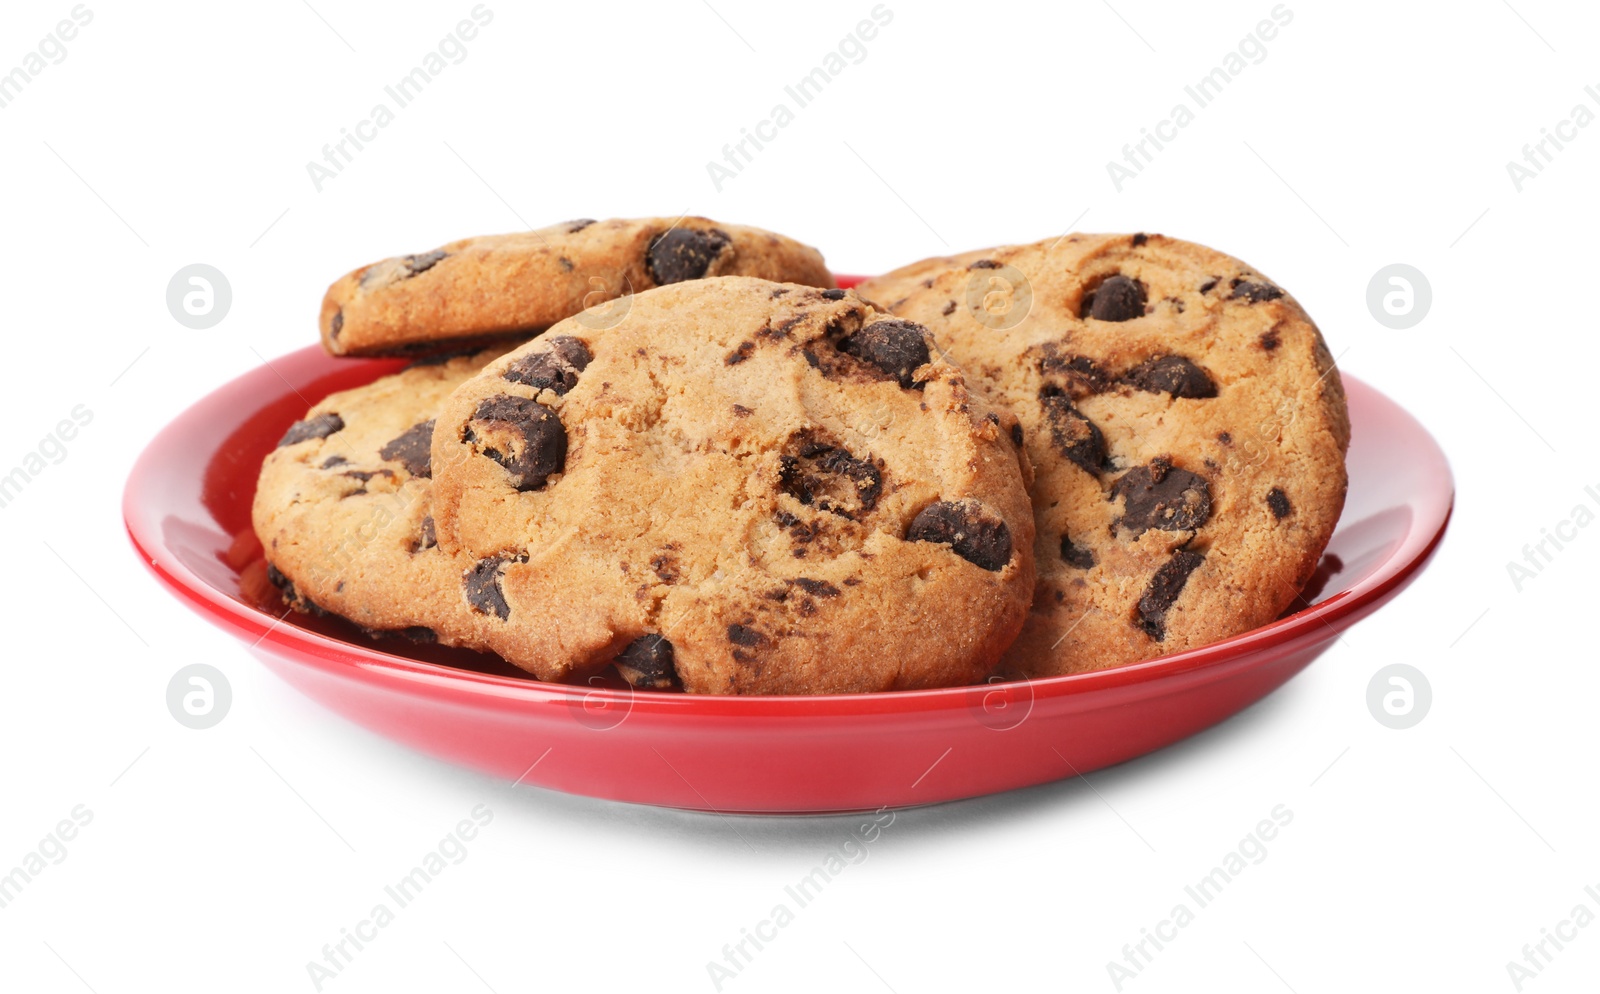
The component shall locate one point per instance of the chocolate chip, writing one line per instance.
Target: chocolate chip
(1080, 375)
(816, 588)
(572, 350)
(1140, 239)
(683, 254)
(1117, 298)
(1226, 438)
(566, 264)
(1163, 591)
(320, 426)
(556, 369)
(949, 309)
(745, 350)
(830, 478)
(573, 227)
(647, 662)
(1075, 436)
(422, 263)
(741, 411)
(896, 348)
(971, 530)
(1255, 293)
(337, 324)
(426, 537)
(1278, 501)
(1016, 433)
(416, 634)
(833, 294)
(800, 530)
(666, 568)
(363, 476)
(1162, 496)
(1079, 556)
(1171, 374)
(291, 596)
(481, 585)
(1269, 340)
(745, 636)
(333, 461)
(984, 264)
(413, 449)
(1210, 284)
(784, 327)
(366, 474)
(522, 435)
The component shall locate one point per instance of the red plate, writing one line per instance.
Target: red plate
(187, 509)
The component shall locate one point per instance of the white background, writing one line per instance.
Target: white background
(1372, 133)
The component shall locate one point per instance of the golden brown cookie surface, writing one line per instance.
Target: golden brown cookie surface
(343, 509)
(476, 290)
(744, 487)
(1185, 422)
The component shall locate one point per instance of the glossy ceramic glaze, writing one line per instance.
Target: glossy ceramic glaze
(187, 509)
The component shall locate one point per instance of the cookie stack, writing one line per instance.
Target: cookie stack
(714, 471)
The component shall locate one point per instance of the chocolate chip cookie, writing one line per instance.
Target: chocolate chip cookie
(471, 292)
(343, 509)
(1185, 422)
(745, 487)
